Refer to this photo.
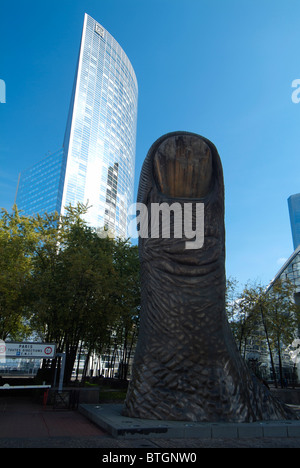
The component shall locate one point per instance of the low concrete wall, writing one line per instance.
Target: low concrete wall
(83, 394)
(287, 395)
(89, 395)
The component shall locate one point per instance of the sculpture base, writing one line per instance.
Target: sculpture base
(109, 418)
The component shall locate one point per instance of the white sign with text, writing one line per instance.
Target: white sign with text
(9, 349)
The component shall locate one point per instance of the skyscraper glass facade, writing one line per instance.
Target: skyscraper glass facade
(40, 186)
(294, 210)
(101, 132)
(98, 158)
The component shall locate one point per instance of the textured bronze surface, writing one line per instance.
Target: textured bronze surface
(182, 170)
(187, 366)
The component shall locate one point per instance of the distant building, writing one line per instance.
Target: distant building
(40, 187)
(290, 271)
(294, 210)
(96, 164)
(257, 353)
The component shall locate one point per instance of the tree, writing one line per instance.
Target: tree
(242, 313)
(18, 240)
(265, 314)
(127, 300)
(231, 296)
(73, 278)
(281, 318)
(67, 283)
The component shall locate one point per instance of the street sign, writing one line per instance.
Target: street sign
(11, 349)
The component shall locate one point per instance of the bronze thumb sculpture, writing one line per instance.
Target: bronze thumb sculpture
(187, 366)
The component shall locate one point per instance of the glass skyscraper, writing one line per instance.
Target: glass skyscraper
(40, 186)
(97, 161)
(294, 210)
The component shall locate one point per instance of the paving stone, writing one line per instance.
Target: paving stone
(29, 425)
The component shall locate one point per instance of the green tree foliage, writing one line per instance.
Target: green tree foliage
(17, 244)
(70, 284)
(281, 318)
(127, 266)
(265, 316)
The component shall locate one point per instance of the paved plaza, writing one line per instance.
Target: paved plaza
(27, 424)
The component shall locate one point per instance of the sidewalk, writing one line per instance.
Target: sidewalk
(26, 424)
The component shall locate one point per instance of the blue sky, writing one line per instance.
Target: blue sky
(220, 68)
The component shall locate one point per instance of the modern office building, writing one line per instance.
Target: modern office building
(294, 210)
(257, 351)
(40, 186)
(290, 271)
(96, 164)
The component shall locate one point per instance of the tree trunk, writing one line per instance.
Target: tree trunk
(85, 366)
(71, 352)
(78, 361)
(280, 363)
(269, 346)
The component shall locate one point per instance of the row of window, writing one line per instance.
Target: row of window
(104, 130)
(112, 49)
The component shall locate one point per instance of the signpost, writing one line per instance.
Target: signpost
(11, 349)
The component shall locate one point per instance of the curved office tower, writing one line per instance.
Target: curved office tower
(294, 211)
(100, 137)
(96, 163)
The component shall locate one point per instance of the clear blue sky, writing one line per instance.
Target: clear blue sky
(220, 68)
